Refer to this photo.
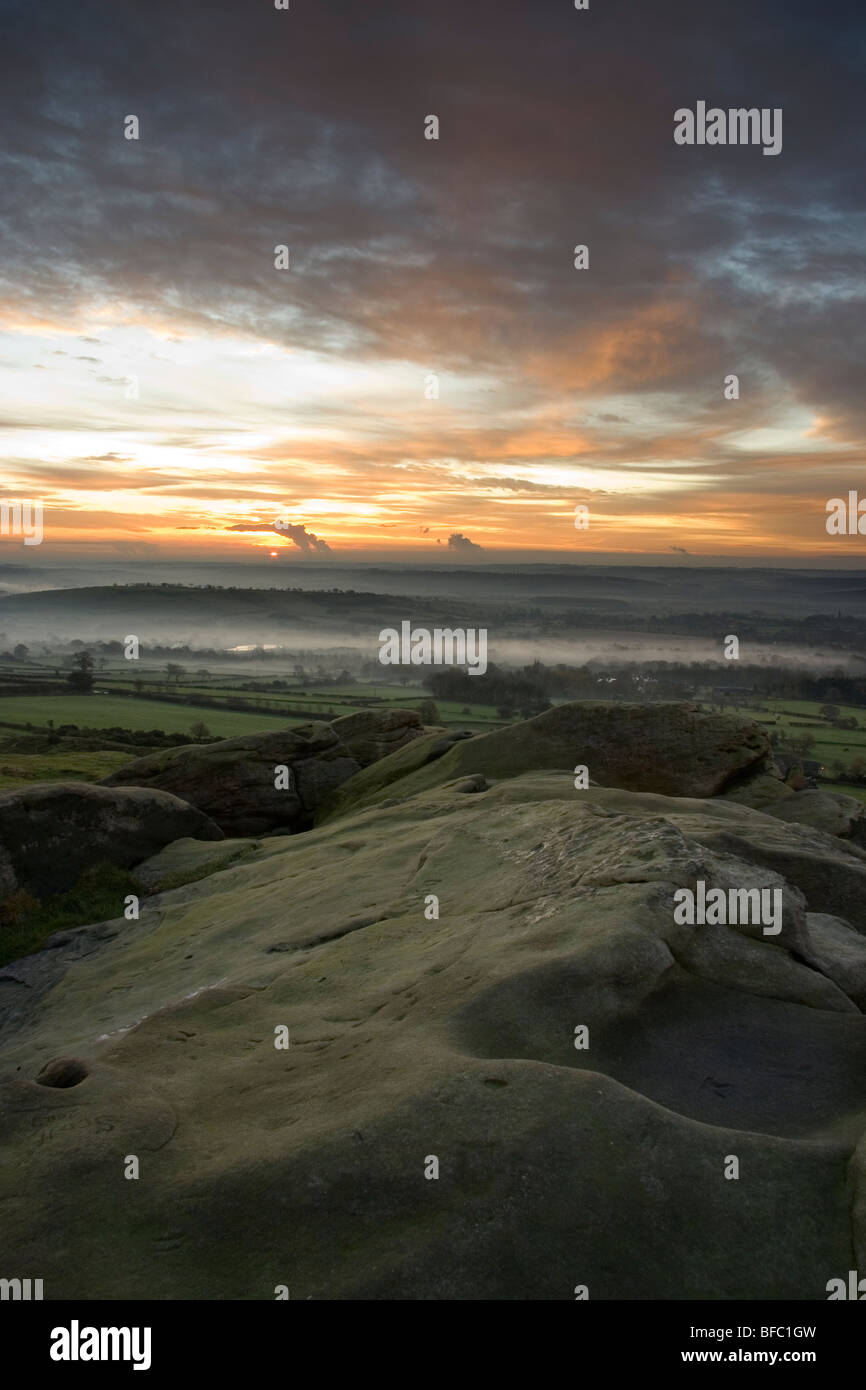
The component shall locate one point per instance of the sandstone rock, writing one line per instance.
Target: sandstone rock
(50, 832)
(789, 799)
(839, 952)
(233, 781)
(832, 812)
(676, 749)
(186, 861)
(450, 1036)
(762, 792)
(373, 734)
(829, 872)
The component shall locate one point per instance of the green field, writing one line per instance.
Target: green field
(17, 769)
(345, 699)
(810, 709)
(791, 719)
(110, 711)
(118, 680)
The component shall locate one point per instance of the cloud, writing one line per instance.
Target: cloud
(298, 534)
(680, 550)
(409, 256)
(462, 545)
(302, 538)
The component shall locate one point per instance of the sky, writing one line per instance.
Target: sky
(431, 377)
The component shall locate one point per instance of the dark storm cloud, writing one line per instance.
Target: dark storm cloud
(305, 127)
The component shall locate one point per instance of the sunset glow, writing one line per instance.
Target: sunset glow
(432, 363)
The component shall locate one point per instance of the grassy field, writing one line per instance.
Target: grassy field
(224, 683)
(108, 711)
(319, 700)
(789, 719)
(17, 769)
(810, 709)
(793, 718)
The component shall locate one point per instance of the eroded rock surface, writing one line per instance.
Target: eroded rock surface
(413, 1036)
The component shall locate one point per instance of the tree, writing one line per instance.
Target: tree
(80, 678)
(830, 713)
(428, 712)
(21, 652)
(199, 730)
(172, 669)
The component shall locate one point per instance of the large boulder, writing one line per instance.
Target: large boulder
(236, 783)
(838, 952)
(677, 749)
(451, 1033)
(372, 734)
(834, 813)
(763, 792)
(51, 832)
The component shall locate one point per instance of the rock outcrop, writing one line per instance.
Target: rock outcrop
(677, 748)
(234, 781)
(372, 734)
(50, 832)
(434, 962)
(834, 813)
